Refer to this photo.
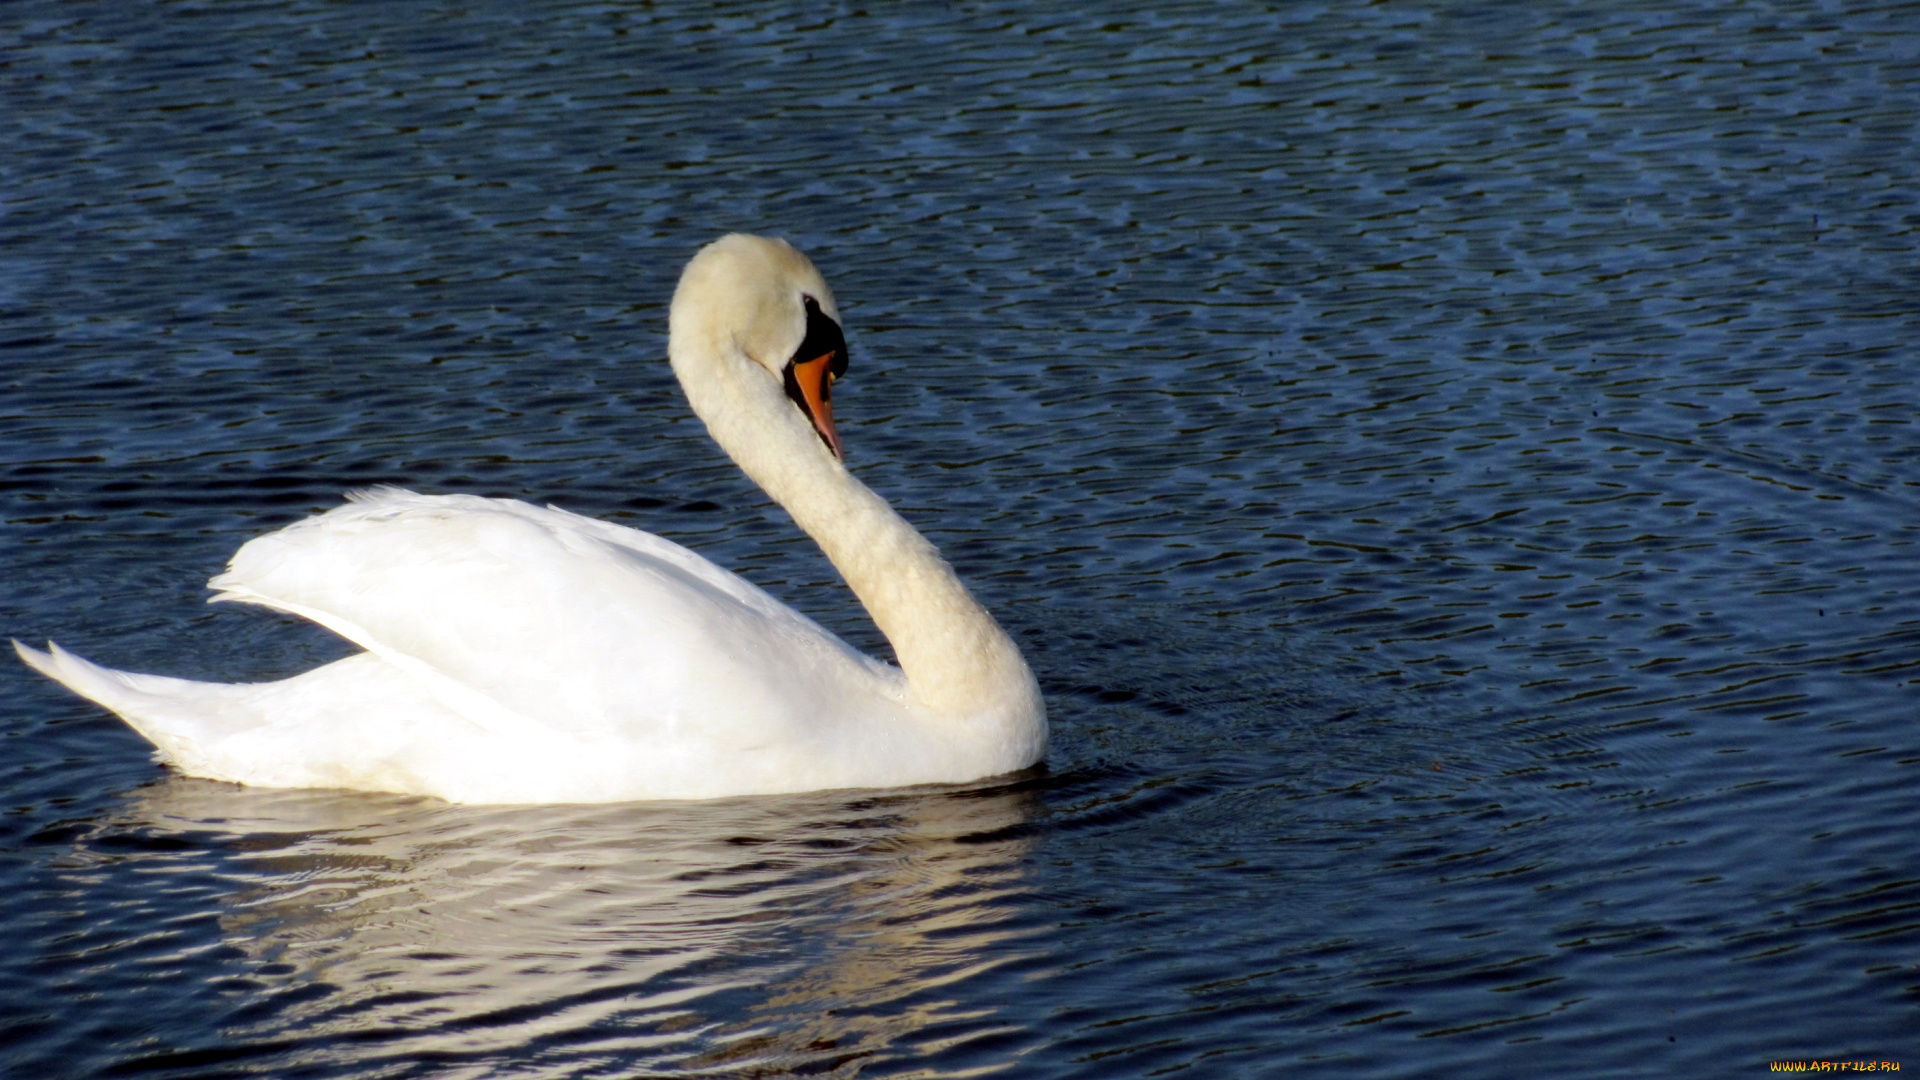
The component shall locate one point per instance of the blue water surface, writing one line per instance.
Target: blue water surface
(1454, 468)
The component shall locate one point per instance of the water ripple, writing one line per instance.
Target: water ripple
(1452, 467)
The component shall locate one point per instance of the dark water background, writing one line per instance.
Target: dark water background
(1453, 466)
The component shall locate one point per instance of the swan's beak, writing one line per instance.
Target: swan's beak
(813, 379)
(820, 359)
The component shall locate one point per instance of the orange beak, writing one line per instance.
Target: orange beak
(815, 379)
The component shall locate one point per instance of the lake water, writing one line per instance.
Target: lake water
(1455, 469)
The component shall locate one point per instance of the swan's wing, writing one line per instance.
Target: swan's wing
(534, 621)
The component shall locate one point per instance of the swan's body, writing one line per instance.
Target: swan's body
(516, 654)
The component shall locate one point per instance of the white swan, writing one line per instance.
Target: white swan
(515, 654)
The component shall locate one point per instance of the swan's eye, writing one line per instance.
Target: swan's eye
(823, 338)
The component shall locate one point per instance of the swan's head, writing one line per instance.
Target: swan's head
(763, 298)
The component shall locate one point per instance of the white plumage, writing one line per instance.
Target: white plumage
(519, 654)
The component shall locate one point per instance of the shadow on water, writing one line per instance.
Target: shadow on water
(755, 936)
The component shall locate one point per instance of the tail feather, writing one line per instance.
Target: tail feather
(355, 723)
(172, 714)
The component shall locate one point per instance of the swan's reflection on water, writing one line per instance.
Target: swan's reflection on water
(769, 933)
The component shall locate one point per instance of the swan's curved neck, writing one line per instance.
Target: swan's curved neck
(957, 660)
